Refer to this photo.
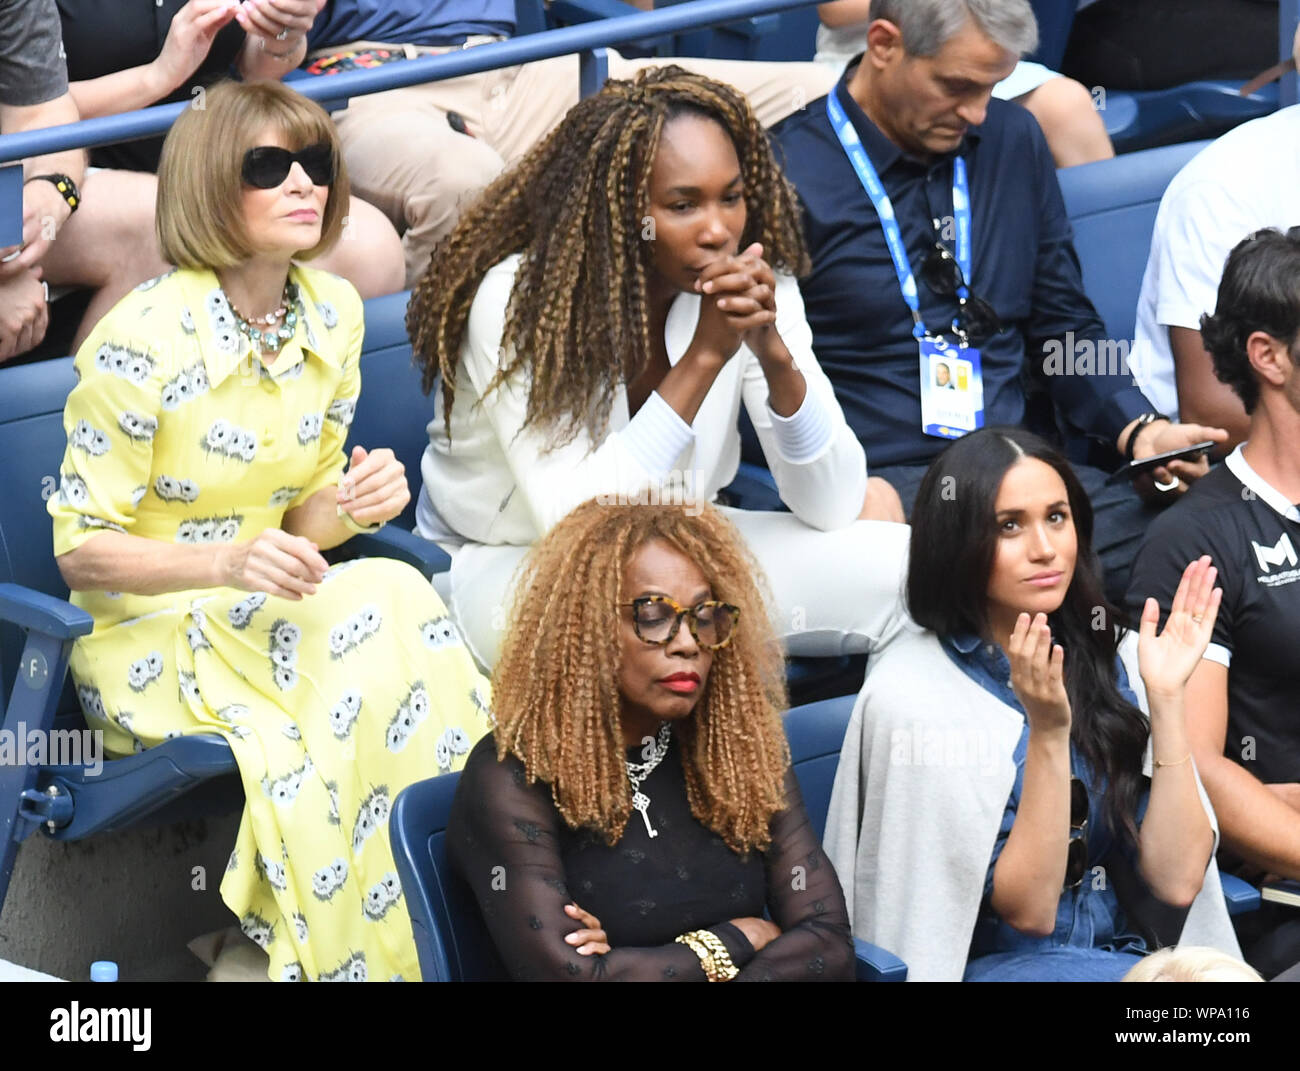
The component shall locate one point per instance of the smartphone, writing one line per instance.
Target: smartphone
(1135, 469)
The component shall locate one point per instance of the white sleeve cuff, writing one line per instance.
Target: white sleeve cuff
(804, 435)
(1216, 652)
(657, 435)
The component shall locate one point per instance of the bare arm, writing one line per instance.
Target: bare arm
(1176, 838)
(115, 561)
(844, 12)
(121, 91)
(1030, 873)
(317, 520)
(56, 112)
(189, 39)
(1255, 819)
(1202, 398)
(276, 562)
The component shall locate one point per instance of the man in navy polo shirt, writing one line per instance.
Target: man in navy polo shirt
(982, 255)
(1243, 700)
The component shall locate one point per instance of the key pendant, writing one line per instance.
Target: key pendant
(642, 803)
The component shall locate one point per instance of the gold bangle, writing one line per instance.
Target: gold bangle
(721, 957)
(691, 941)
(1157, 763)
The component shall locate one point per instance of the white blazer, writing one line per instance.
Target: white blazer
(495, 483)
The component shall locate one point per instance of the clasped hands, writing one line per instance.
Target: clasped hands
(372, 491)
(738, 305)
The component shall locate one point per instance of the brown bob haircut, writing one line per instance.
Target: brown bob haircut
(199, 216)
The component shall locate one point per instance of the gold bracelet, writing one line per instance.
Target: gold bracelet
(691, 941)
(721, 957)
(1157, 763)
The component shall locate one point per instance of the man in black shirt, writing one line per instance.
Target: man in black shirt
(1243, 701)
(917, 104)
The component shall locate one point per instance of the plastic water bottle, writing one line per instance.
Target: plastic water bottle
(103, 970)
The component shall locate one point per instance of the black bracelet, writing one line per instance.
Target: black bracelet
(1142, 422)
(66, 187)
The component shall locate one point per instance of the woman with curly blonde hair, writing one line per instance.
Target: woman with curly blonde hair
(639, 767)
(598, 318)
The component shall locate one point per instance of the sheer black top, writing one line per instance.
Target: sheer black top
(523, 862)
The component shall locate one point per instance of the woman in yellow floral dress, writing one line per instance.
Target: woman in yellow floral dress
(203, 477)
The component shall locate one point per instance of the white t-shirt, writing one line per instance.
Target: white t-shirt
(1246, 180)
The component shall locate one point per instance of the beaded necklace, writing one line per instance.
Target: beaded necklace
(272, 339)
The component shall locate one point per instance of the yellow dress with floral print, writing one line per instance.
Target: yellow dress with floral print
(331, 704)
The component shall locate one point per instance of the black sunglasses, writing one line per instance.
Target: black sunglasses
(976, 320)
(1076, 862)
(266, 166)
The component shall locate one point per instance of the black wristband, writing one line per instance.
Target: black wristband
(1142, 422)
(66, 187)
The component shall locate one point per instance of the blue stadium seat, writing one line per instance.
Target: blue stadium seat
(38, 625)
(1143, 120)
(1240, 895)
(1112, 205)
(453, 943)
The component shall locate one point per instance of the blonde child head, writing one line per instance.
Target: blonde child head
(1191, 965)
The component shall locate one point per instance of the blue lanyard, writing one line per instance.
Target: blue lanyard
(870, 180)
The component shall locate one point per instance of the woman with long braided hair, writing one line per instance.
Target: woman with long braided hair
(597, 319)
(635, 812)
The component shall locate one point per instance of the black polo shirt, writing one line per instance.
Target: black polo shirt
(1023, 263)
(1253, 534)
(102, 37)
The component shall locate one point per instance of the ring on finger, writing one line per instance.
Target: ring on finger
(1165, 488)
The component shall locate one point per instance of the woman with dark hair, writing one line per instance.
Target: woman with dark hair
(634, 814)
(1007, 807)
(598, 318)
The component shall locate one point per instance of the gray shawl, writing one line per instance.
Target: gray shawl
(923, 781)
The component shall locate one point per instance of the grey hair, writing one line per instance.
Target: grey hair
(928, 25)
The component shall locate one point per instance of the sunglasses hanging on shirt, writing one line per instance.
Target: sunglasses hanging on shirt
(267, 166)
(976, 319)
(1076, 862)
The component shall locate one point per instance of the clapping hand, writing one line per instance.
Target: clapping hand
(1166, 661)
(1038, 674)
(374, 489)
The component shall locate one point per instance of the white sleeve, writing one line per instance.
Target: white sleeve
(1197, 230)
(816, 460)
(554, 481)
